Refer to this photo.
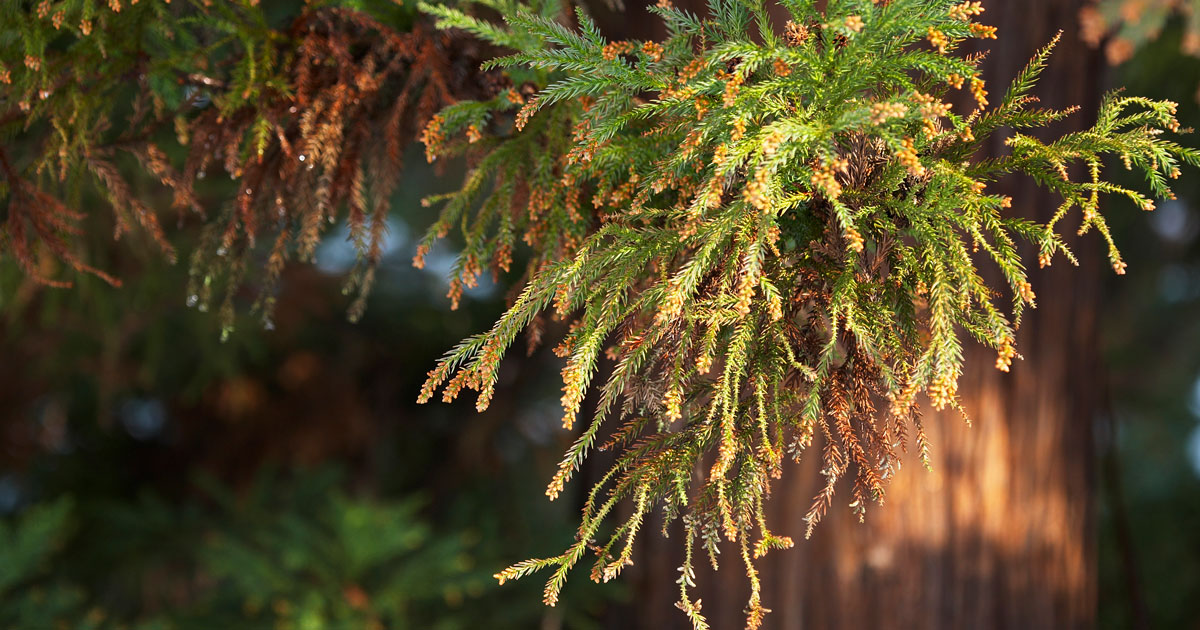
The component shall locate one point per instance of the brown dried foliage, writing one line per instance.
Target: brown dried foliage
(361, 91)
(357, 94)
(37, 222)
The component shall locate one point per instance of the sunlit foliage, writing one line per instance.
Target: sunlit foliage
(768, 237)
(785, 234)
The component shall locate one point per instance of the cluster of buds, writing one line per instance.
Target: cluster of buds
(1005, 355)
(983, 31)
(473, 134)
(5, 75)
(908, 157)
(693, 218)
(943, 389)
(938, 39)
(775, 307)
(771, 142)
(726, 452)
(854, 23)
(902, 402)
(720, 154)
(739, 129)
(955, 80)
(1025, 290)
(572, 397)
(622, 193)
(562, 306)
(930, 128)
(652, 50)
(691, 70)
(613, 49)
(33, 63)
(676, 92)
(854, 240)
(503, 257)
(418, 260)
(43, 9)
(781, 68)
(433, 137)
(433, 379)
(672, 401)
(539, 202)
(1173, 125)
(557, 483)
(931, 108)
(824, 180)
(757, 191)
(115, 5)
(714, 191)
(583, 149)
(85, 27)
(978, 91)
(1089, 214)
(712, 198)
(965, 10)
(59, 17)
(692, 141)
(525, 114)
(733, 84)
(672, 304)
(882, 112)
(704, 363)
(462, 380)
(1119, 267)
(468, 278)
(795, 34)
(514, 97)
(665, 5)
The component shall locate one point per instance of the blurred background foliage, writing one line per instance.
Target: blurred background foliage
(154, 477)
(1149, 451)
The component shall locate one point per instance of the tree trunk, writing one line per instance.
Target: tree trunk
(1001, 534)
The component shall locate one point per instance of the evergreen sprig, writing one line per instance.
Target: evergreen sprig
(759, 235)
(764, 236)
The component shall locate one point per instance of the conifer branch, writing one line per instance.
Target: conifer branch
(772, 235)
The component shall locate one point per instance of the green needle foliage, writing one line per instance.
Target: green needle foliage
(772, 234)
(780, 232)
